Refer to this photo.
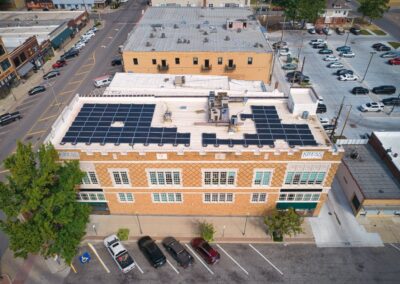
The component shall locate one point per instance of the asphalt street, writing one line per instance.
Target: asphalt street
(253, 263)
(40, 111)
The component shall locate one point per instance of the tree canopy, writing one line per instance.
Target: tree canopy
(39, 201)
(304, 10)
(373, 9)
(284, 222)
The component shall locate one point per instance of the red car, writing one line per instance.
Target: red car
(395, 61)
(209, 254)
(59, 63)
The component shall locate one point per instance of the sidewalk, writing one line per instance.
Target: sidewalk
(184, 228)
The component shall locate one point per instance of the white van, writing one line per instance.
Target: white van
(102, 81)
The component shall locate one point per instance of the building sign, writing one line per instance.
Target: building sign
(69, 155)
(312, 155)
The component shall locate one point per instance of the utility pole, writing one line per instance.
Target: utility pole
(369, 63)
(348, 34)
(345, 121)
(302, 66)
(336, 120)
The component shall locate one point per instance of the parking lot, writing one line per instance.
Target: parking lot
(253, 263)
(327, 85)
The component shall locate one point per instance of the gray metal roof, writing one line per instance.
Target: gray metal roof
(196, 29)
(370, 172)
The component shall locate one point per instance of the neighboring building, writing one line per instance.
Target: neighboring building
(159, 144)
(219, 41)
(201, 3)
(370, 175)
(336, 13)
(80, 5)
(39, 4)
(12, 4)
(7, 71)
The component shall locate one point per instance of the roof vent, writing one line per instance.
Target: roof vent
(117, 124)
(179, 80)
(176, 26)
(179, 40)
(167, 116)
(205, 39)
(227, 38)
(151, 35)
(354, 154)
(205, 33)
(148, 44)
(163, 35)
(198, 26)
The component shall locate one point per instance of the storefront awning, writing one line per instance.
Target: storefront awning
(25, 69)
(296, 205)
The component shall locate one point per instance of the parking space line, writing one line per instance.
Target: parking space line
(205, 265)
(170, 264)
(237, 263)
(87, 65)
(266, 259)
(81, 73)
(99, 258)
(66, 92)
(48, 117)
(140, 269)
(75, 82)
(395, 247)
(36, 132)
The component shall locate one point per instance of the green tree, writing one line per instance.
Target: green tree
(207, 231)
(39, 201)
(304, 10)
(373, 9)
(283, 222)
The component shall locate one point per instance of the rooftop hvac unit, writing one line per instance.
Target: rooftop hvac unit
(305, 115)
(179, 80)
(168, 116)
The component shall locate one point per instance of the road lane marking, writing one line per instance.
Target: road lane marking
(66, 92)
(81, 73)
(87, 65)
(36, 132)
(195, 254)
(4, 132)
(74, 82)
(48, 117)
(140, 269)
(395, 247)
(266, 259)
(170, 264)
(237, 263)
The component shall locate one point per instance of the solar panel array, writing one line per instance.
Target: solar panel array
(269, 128)
(93, 124)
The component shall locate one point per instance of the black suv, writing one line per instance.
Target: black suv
(69, 54)
(178, 252)
(116, 61)
(151, 251)
(383, 48)
(321, 108)
(394, 101)
(359, 91)
(355, 30)
(9, 117)
(384, 90)
(297, 76)
(36, 90)
(344, 72)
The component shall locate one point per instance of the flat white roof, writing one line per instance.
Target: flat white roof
(303, 95)
(13, 37)
(390, 141)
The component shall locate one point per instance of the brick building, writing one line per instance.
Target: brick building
(336, 13)
(7, 71)
(196, 145)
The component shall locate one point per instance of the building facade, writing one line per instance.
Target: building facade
(185, 151)
(39, 5)
(336, 13)
(224, 41)
(7, 71)
(12, 4)
(201, 3)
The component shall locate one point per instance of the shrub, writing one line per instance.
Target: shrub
(123, 234)
(207, 231)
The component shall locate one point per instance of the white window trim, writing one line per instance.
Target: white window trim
(126, 199)
(218, 202)
(258, 201)
(295, 193)
(203, 171)
(110, 171)
(306, 184)
(91, 192)
(87, 173)
(262, 170)
(164, 170)
(167, 202)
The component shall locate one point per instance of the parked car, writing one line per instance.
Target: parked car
(356, 30)
(335, 65)
(359, 91)
(340, 30)
(59, 63)
(36, 90)
(320, 46)
(327, 31)
(384, 90)
(284, 52)
(289, 66)
(373, 106)
(393, 101)
(317, 41)
(69, 54)
(178, 252)
(293, 74)
(120, 255)
(311, 31)
(79, 45)
(348, 77)
(319, 31)
(347, 54)
(376, 45)
(324, 121)
(208, 253)
(279, 44)
(390, 54)
(331, 58)
(343, 48)
(300, 79)
(102, 81)
(383, 48)
(116, 61)
(51, 74)
(394, 61)
(325, 51)
(321, 108)
(343, 72)
(9, 117)
(94, 29)
(151, 251)
(329, 127)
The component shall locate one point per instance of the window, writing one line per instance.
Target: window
(250, 60)
(2, 51)
(135, 61)
(258, 197)
(22, 56)
(164, 177)
(90, 196)
(17, 62)
(262, 178)
(154, 61)
(167, 197)
(217, 197)
(219, 60)
(177, 61)
(219, 178)
(120, 177)
(210, 5)
(356, 203)
(195, 61)
(125, 197)
(90, 178)
(5, 64)
(305, 177)
(296, 197)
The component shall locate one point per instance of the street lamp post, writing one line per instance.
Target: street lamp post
(245, 225)
(369, 63)
(140, 226)
(348, 34)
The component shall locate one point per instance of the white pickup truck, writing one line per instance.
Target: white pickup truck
(118, 252)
